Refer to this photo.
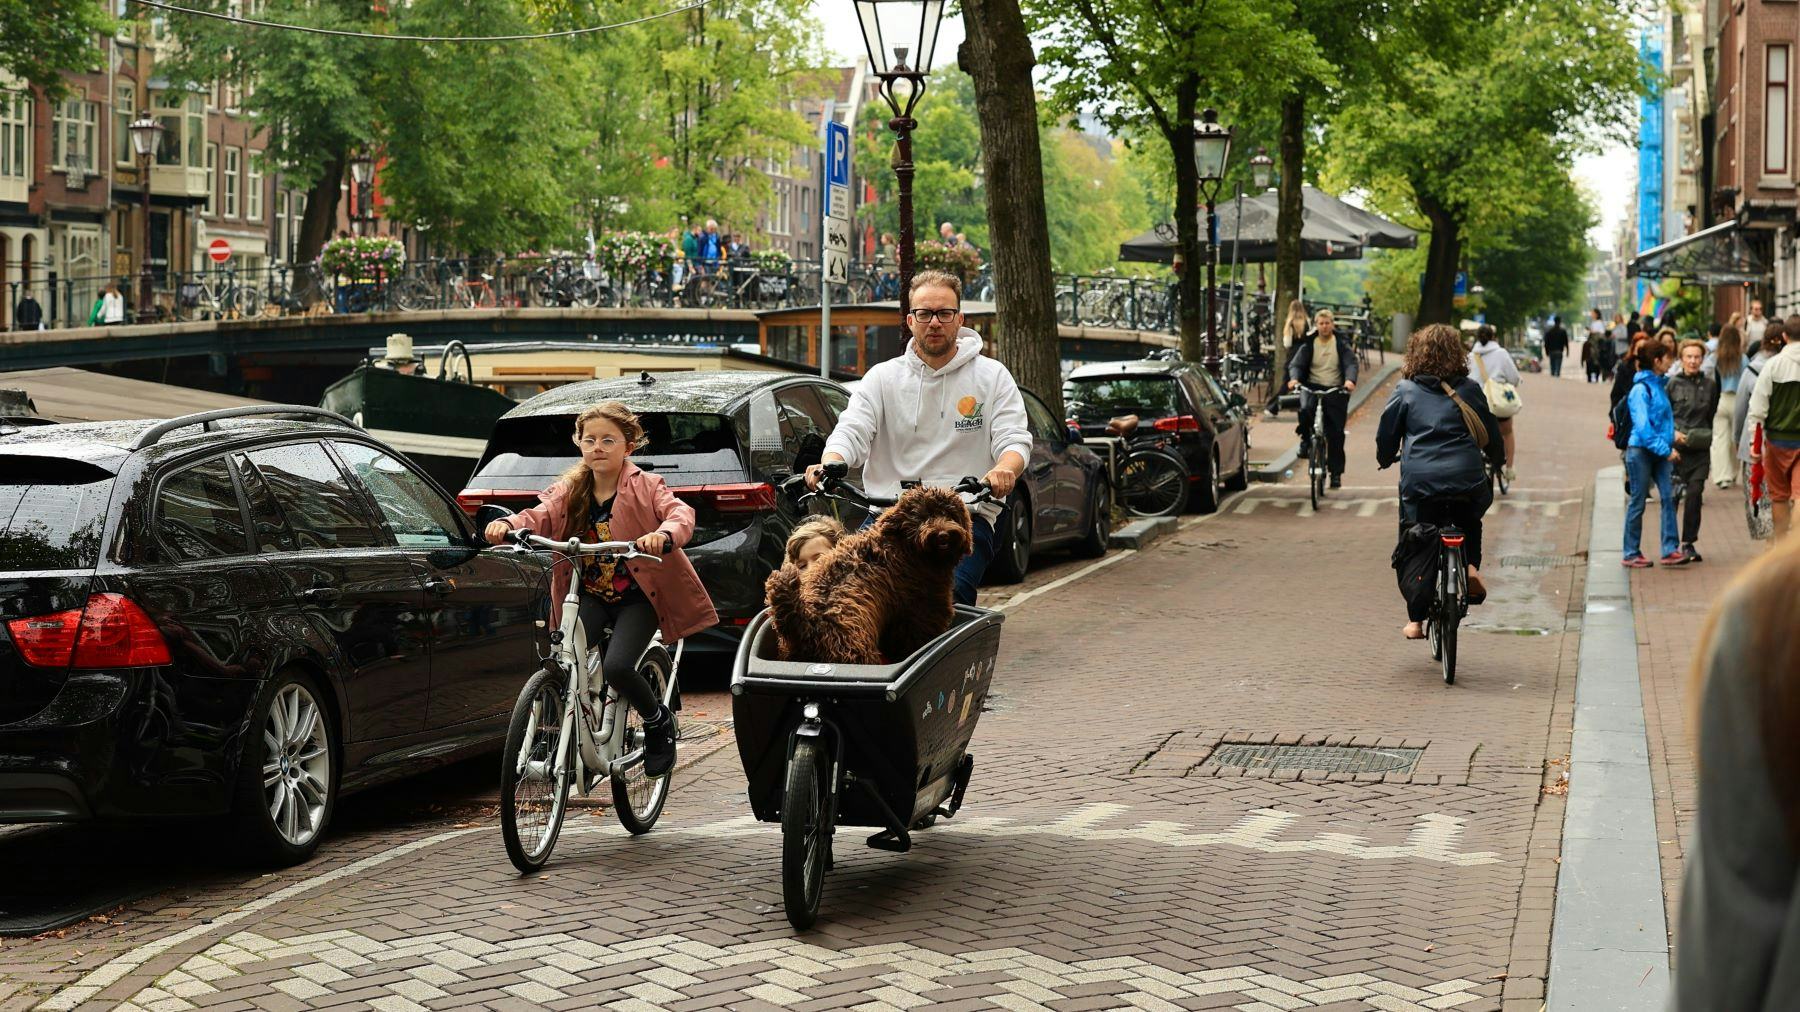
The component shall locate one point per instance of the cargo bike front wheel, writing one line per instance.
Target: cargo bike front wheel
(806, 830)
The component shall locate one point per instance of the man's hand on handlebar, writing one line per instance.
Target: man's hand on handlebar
(1001, 480)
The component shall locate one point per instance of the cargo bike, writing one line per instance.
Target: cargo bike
(883, 746)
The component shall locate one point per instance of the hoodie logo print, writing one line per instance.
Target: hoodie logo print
(970, 410)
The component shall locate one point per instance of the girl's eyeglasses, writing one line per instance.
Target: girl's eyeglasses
(607, 443)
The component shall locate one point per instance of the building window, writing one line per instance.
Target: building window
(124, 104)
(253, 188)
(72, 134)
(212, 178)
(15, 135)
(1775, 113)
(233, 162)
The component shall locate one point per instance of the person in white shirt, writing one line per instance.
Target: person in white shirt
(1755, 325)
(112, 305)
(1490, 361)
(938, 413)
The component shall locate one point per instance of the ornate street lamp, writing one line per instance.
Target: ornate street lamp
(146, 135)
(1262, 169)
(362, 173)
(901, 39)
(1212, 149)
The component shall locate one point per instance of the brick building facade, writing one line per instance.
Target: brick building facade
(1753, 45)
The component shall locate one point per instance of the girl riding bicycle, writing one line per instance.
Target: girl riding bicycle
(1443, 479)
(606, 497)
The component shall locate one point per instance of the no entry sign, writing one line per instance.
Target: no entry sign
(219, 250)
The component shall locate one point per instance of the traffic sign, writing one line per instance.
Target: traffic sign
(219, 250)
(837, 234)
(837, 154)
(837, 265)
(837, 203)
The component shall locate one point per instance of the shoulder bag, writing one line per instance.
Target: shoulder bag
(1477, 430)
(1502, 397)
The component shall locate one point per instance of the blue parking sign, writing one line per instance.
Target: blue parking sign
(837, 154)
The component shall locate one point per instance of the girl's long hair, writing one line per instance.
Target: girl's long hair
(1296, 319)
(1729, 360)
(580, 478)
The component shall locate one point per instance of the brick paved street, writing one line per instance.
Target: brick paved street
(1102, 861)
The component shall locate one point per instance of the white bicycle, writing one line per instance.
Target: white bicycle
(570, 729)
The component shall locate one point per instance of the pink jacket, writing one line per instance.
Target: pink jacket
(644, 504)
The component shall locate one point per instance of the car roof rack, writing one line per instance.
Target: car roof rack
(205, 419)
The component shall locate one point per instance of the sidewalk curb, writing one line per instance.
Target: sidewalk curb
(1276, 469)
(1140, 534)
(1609, 940)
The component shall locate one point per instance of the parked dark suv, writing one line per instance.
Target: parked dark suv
(1181, 407)
(722, 440)
(226, 613)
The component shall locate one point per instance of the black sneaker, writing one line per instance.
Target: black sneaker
(659, 745)
(1692, 553)
(1337, 481)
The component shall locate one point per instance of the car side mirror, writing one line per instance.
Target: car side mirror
(487, 513)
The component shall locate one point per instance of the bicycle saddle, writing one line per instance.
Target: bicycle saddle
(1124, 425)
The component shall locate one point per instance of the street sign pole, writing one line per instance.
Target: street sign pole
(825, 121)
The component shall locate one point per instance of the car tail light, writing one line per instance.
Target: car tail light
(743, 497)
(738, 621)
(472, 499)
(1177, 423)
(111, 632)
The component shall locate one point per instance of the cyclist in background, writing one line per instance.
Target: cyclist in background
(1443, 478)
(1324, 361)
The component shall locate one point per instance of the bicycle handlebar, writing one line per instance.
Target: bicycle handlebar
(575, 546)
(833, 481)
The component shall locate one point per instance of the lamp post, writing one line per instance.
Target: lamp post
(1212, 149)
(146, 134)
(893, 31)
(362, 171)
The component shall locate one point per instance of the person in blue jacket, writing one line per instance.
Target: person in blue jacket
(1651, 454)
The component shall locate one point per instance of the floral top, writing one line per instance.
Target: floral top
(605, 578)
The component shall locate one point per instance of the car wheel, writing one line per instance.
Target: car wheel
(1012, 548)
(288, 780)
(1099, 526)
(1241, 480)
(1206, 484)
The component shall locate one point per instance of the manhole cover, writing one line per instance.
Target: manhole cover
(1324, 758)
(1542, 561)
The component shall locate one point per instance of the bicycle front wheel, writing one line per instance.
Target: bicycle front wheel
(805, 833)
(1153, 483)
(248, 302)
(637, 799)
(533, 797)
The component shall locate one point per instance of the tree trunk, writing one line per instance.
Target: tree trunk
(1190, 261)
(997, 56)
(321, 210)
(1437, 300)
(1289, 220)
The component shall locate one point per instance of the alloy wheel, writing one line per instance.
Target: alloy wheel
(296, 765)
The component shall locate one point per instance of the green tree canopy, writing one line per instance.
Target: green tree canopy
(40, 40)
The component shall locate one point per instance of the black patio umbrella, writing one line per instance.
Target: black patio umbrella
(1251, 239)
(1376, 232)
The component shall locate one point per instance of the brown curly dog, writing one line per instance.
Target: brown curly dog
(882, 592)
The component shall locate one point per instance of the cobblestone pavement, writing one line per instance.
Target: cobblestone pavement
(1105, 858)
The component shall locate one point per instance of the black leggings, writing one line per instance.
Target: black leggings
(632, 626)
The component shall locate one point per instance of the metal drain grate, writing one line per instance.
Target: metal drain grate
(1542, 561)
(1323, 758)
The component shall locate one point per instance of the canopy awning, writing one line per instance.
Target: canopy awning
(1713, 256)
(1247, 229)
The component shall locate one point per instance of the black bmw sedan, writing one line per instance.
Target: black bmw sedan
(239, 614)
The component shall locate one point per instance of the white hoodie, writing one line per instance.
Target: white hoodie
(910, 422)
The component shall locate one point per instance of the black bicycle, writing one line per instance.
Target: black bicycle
(1497, 478)
(1450, 603)
(1318, 457)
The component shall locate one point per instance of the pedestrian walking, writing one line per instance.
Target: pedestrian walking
(1775, 405)
(1622, 331)
(1427, 427)
(1737, 947)
(1755, 324)
(1621, 384)
(1590, 359)
(1650, 455)
(712, 247)
(1694, 400)
(1556, 344)
(1325, 362)
(1293, 330)
(1728, 368)
(1493, 367)
(1774, 337)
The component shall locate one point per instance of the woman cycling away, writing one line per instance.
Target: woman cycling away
(1443, 478)
(606, 497)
